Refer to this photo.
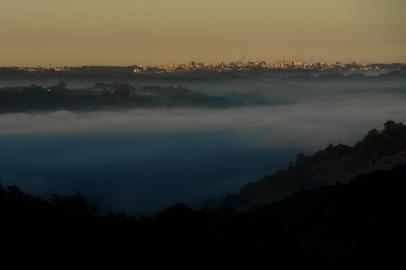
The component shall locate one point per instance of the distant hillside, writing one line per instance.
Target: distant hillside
(103, 96)
(379, 150)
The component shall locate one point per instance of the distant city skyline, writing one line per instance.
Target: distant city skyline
(145, 32)
(244, 62)
(345, 60)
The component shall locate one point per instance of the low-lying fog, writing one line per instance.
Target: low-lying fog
(143, 160)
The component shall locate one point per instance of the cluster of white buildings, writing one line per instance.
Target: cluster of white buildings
(242, 65)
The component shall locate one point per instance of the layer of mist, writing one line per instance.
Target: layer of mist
(139, 161)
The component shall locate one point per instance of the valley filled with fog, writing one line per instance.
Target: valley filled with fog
(144, 159)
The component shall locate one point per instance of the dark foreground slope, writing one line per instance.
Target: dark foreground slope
(362, 222)
(379, 150)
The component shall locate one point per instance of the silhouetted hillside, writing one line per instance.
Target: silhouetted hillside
(361, 222)
(379, 150)
(103, 96)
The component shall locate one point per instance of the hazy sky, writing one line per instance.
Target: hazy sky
(76, 32)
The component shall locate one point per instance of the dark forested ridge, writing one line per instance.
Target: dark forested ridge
(379, 150)
(361, 222)
(357, 223)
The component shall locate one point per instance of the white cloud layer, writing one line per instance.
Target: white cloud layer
(303, 124)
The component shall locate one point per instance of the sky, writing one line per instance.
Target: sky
(125, 32)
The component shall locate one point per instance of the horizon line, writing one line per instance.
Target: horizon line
(197, 62)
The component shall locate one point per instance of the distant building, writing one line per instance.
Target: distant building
(137, 70)
(299, 63)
